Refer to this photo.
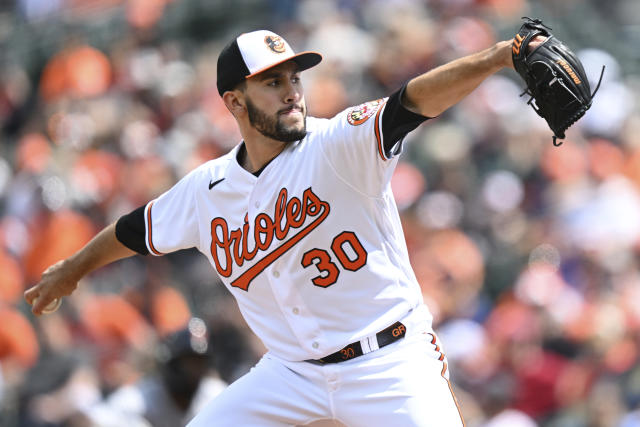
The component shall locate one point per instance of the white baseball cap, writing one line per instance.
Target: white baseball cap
(252, 53)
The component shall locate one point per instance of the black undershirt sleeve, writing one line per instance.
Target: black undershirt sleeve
(130, 231)
(397, 122)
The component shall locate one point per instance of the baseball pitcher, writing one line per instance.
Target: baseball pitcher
(300, 224)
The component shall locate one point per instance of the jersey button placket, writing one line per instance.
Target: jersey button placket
(295, 311)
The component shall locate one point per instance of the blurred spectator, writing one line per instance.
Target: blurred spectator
(57, 391)
(18, 344)
(79, 71)
(184, 382)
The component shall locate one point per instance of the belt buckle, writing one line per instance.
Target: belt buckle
(356, 349)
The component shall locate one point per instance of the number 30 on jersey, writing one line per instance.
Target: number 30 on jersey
(346, 248)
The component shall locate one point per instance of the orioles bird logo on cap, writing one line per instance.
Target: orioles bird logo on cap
(275, 43)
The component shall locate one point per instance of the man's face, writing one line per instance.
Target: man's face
(275, 103)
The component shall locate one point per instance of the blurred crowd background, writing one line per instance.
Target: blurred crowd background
(528, 254)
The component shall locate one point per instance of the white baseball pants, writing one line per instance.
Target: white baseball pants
(403, 384)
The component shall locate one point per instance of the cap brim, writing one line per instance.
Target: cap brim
(305, 60)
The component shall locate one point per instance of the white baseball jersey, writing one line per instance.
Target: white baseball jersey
(312, 248)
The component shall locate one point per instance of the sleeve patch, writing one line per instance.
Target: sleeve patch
(361, 113)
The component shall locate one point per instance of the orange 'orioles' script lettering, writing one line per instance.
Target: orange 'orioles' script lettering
(230, 247)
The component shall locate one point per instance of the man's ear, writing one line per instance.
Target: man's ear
(234, 100)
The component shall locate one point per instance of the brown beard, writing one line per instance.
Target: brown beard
(273, 127)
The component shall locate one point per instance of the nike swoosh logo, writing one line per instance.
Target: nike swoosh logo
(214, 183)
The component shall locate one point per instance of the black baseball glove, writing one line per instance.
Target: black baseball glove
(554, 76)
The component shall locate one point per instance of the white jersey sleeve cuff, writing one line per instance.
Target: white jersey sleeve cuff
(148, 223)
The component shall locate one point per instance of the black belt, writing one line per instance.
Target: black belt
(385, 337)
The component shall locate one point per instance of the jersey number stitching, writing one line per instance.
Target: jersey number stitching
(329, 271)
